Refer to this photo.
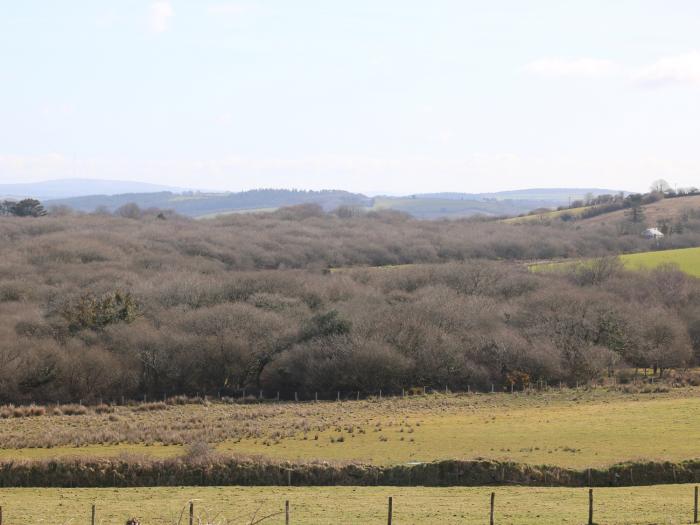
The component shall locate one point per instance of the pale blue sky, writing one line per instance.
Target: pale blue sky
(396, 96)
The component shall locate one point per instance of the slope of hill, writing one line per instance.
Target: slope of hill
(434, 208)
(552, 196)
(546, 215)
(668, 209)
(196, 204)
(89, 194)
(513, 202)
(66, 188)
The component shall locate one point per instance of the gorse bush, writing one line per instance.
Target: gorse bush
(90, 312)
(102, 307)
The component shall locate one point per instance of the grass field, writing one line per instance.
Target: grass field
(568, 428)
(663, 504)
(546, 215)
(687, 260)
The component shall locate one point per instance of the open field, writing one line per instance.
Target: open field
(545, 216)
(667, 504)
(578, 429)
(687, 260)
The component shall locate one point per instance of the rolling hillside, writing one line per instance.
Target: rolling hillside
(68, 188)
(547, 215)
(196, 204)
(87, 195)
(670, 209)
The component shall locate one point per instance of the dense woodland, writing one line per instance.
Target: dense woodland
(98, 305)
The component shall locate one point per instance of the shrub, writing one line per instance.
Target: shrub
(149, 407)
(73, 410)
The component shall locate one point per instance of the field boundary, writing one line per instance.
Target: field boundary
(217, 470)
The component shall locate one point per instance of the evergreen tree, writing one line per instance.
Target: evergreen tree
(28, 208)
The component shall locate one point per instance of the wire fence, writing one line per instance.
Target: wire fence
(251, 395)
(238, 506)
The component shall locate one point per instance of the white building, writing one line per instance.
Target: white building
(652, 233)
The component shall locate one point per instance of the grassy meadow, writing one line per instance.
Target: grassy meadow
(554, 214)
(686, 259)
(663, 504)
(569, 428)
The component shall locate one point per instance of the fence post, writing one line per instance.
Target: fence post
(296, 397)
(391, 510)
(191, 513)
(695, 508)
(316, 397)
(590, 506)
(286, 512)
(93, 514)
(493, 498)
(338, 396)
(358, 395)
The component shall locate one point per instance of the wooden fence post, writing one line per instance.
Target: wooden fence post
(191, 513)
(286, 512)
(493, 498)
(391, 510)
(695, 507)
(590, 506)
(93, 514)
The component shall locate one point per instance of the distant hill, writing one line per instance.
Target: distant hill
(434, 208)
(87, 195)
(514, 202)
(197, 204)
(551, 196)
(66, 188)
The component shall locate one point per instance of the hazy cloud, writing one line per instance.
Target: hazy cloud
(160, 15)
(579, 67)
(678, 69)
(230, 8)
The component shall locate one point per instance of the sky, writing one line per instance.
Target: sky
(376, 96)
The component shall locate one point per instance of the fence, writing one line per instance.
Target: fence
(256, 394)
(490, 508)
